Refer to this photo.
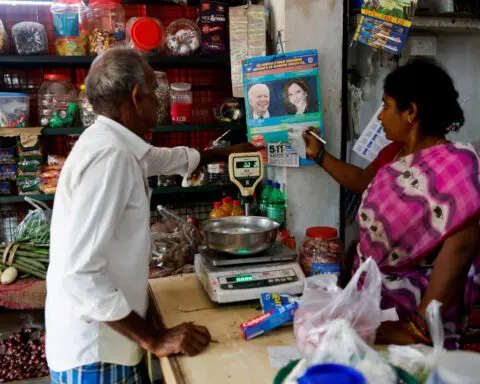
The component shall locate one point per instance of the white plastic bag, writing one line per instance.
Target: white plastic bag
(35, 227)
(324, 301)
(418, 360)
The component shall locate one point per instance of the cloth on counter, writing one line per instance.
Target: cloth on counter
(409, 209)
(100, 243)
(103, 373)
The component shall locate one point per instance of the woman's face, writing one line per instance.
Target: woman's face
(297, 96)
(395, 122)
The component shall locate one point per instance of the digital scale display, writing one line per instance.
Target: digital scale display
(258, 279)
(247, 164)
(240, 279)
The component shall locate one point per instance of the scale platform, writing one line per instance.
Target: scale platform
(229, 279)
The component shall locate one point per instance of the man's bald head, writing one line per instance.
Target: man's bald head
(112, 77)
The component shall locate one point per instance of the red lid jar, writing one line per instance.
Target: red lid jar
(145, 34)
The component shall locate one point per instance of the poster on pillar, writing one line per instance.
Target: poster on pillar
(282, 100)
(384, 24)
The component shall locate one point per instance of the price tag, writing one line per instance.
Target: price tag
(282, 155)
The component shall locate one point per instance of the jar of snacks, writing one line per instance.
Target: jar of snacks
(181, 100)
(3, 39)
(321, 252)
(57, 102)
(14, 109)
(163, 97)
(183, 37)
(30, 38)
(217, 173)
(106, 20)
(87, 116)
(145, 34)
(68, 21)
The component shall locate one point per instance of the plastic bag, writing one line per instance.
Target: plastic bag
(342, 345)
(35, 227)
(419, 360)
(324, 301)
(174, 241)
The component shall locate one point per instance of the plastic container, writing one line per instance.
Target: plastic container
(57, 102)
(227, 206)
(217, 212)
(14, 110)
(181, 100)
(276, 205)
(331, 373)
(163, 98)
(3, 39)
(217, 173)
(183, 38)
(456, 367)
(237, 209)
(87, 116)
(69, 17)
(267, 190)
(30, 38)
(321, 251)
(145, 34)
(106, 19)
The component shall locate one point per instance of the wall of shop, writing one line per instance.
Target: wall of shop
(313, 197)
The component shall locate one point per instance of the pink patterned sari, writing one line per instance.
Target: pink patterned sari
(409, 209)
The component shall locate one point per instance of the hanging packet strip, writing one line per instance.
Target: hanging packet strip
(384, 24)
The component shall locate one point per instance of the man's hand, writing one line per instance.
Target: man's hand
(313, 145)
(187, 338)
(245, 148)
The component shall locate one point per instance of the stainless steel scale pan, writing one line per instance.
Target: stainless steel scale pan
(240, 235)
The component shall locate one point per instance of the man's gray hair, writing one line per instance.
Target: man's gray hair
(112, 77)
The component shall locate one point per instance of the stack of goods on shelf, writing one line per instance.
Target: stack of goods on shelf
(8, 169)
(14, 109)
(51, 173)
(29, 164)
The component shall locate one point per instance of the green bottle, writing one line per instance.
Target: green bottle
(267, 190)
(276, 205)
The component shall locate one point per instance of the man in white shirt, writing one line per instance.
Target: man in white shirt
(100, 238)
(259, 100)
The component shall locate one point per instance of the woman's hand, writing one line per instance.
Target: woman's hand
(313, 146)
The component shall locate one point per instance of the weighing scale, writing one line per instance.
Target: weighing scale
(229, 279)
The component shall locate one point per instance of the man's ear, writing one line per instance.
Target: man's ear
(136, 99)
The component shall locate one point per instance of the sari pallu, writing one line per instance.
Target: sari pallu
(409, 209)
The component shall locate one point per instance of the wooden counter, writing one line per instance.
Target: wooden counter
(231, 360)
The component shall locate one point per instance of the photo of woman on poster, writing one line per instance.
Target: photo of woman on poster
(298, 98)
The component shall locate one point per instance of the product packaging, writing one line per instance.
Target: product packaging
(30, 38)
(271, 301)
(183, 38)
(213, 24)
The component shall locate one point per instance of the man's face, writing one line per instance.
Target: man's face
(260, 100)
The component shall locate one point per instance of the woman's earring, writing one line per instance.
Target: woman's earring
(409, 120)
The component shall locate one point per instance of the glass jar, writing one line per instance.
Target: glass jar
(181, 100)
(145, 34)
(68, 20)
(87, 116)
(321, 252)
(163, 98)
(217, 173)
(57, 102)
(106, 19)
(29, 38)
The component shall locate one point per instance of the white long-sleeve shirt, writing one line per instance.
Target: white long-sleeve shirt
(100, 243)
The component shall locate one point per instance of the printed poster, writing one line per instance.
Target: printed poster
(384, 24)
(282, 99)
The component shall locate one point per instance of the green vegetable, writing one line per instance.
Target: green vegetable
(28, 260)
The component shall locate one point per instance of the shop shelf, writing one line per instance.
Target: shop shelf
(16, 61)
(159, 129)
(155, 191)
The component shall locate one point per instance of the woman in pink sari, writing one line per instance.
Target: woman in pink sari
(420, 206)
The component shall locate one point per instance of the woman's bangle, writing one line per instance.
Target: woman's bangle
(320, 157)
(411, 328)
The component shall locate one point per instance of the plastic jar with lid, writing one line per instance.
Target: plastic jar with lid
(217, 173)
(68, 21)
(87, 116)
(321, 252)
(163, 98)
(106, 19)
(57, 102)
(145, 34)
(181, 100)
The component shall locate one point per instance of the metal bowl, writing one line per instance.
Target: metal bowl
(240, 235)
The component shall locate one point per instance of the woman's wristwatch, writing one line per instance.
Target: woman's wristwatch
(320, 157)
